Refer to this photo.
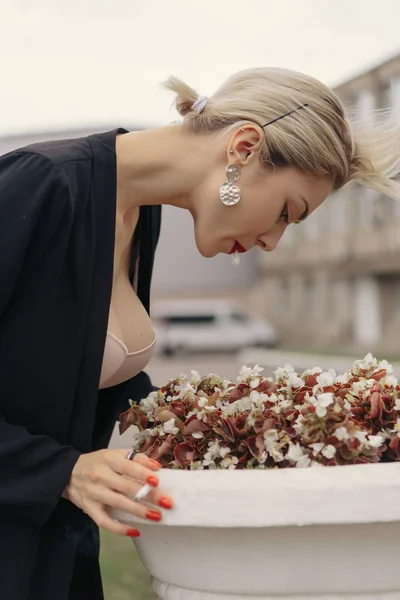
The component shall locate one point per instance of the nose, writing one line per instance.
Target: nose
(269, 241)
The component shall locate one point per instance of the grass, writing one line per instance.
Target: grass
(124, 577)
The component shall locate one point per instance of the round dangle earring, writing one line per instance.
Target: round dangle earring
(230, 193)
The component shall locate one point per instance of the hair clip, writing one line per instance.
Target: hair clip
(283, 116)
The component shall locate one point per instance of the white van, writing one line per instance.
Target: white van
(208, 325)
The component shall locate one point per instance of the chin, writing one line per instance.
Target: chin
(206, 251)
(206, 254)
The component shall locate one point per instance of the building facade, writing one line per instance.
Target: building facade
(333, 283)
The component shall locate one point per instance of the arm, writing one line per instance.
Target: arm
(34, 469)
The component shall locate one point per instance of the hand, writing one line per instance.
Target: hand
(105, 479)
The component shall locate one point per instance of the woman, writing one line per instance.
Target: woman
(79, 223)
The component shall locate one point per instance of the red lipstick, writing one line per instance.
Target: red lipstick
(237, 248)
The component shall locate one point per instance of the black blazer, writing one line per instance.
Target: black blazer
(57, 220)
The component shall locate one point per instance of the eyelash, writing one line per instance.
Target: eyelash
(285, 214)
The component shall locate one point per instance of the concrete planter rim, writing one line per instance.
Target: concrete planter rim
(352, 494)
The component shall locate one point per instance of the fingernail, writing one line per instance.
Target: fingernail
(155, 463)
(153, 481)
(133, 533)
(166, 502)
(153, 515)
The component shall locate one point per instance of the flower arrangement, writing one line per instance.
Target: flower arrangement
(291, 420)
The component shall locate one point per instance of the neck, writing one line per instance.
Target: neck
(159, 166)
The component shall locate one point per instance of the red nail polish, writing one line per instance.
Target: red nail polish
(153, 481)
(153, 515)
(133, 533)
(155, 463)
(166, 502)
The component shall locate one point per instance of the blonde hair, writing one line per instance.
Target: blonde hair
(320, 140)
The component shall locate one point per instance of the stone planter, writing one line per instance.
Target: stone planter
(291, 534)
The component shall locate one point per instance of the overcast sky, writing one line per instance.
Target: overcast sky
(87, 63)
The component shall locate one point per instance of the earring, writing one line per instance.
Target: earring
(230, 193)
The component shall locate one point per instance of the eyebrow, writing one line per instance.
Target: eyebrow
(304, 214)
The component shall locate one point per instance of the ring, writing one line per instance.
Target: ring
(131, 454)
(143, 493)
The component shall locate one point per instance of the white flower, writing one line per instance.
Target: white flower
(295, 381)
(202, 402)
(224, 451)
(247, 373)
(254, 383)
(323, 401)
(359, 387)
(195, 377)
(196, 466)
(285, 404)
(229, 462)
(326, 379)
(195, 411)
(139, 437)
(389, 380)
(316, 448)
(198, 435)
(251, 420)
(361, 436)
(237, 407)
(342, 378)
(341, 434)
(255, 397)
(283, 372)
(272, 398)
(296, 455)
(366, 364)
(149, 405)
(329, 451)
(212, 453)
(270, 437)
(313, 371)
(244, 404)
(376, 441)
(388, 367)
(276, 454)
(299, 426)
(170, 427)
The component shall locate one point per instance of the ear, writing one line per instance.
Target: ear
(245, 144)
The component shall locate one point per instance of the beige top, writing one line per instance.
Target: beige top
(119, 364)
(130, 337)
